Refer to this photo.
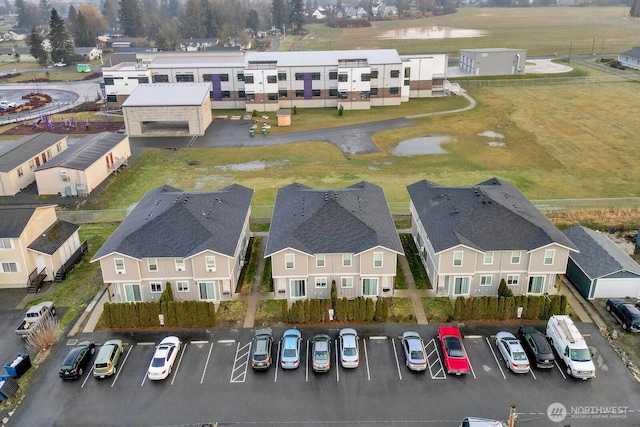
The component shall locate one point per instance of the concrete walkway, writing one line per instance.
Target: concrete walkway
(413, 293)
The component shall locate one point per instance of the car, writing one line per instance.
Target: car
(512, 352)
(106, 363)
(261, 351)
(349, 350)
(290, 347)
(537, 347)
(480, 422)
(413, 348)
(7, 105)
(627, 314)
(321, 353)
(454, 354)
(76, 361)
(164, 358)
(60, 64)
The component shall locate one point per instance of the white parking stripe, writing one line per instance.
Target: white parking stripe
(532, 374)
(395, 354)
(366, 359)
(87, 377)
(204, 371)
(495, 358)
(306, 367)
(558, 366)
(240, 363)
(144, 378)
(436, 369)
(275, 378)
(122, 365)
(184, 347)
(337, 363)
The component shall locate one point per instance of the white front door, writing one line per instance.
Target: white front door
(40, 264)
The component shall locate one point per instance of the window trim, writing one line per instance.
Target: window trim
(180, 262)
(518, 255)
(6, 267)
(122, 269)
(463, 278)
(552, 257)
(457, 259)
(482, 277)
(510, 279)
(152, 262)
(347, 260)
(289, 259)
(344, 284)
(378, 261)
(321, 260)
(319, 280)
(152, 285)
(209, 268)
(6, 243)
(488, 255)
(184, 283)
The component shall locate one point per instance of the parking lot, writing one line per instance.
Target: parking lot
(212, 381)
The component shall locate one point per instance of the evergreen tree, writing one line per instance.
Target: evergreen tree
(21, 7)
(635, 9)
(45, 11)
(168, 37)
(61, 43)
(130, 18)
(110, 12)
(35, 47)
(253, 20)
(71, 18)
(278, 13)
(297, 17)
(194, 20)
(503, 290)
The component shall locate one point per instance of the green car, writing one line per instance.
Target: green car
(106, 362)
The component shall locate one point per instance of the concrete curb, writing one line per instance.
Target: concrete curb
(86, 313)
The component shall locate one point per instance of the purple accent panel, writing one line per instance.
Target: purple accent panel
(308, 86)
(217, 88)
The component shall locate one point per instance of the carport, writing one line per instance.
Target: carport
(168, 109)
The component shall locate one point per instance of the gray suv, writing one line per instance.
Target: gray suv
(321, 353)
(261, 353)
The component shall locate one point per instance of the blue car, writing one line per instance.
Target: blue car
(290, 348)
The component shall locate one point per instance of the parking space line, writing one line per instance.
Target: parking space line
(439, 373)
(275, 378)
(144, 378)
(366, 359)
(337, 362)
(471, 367)
(395, 354)
(240, 363)
(122, 365)
(87, 377)
(204, 371)
(184, 347)
(495, 358)
(558, 366)
(531, 370)
(306, 365)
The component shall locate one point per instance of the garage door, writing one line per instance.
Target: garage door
(617, 288)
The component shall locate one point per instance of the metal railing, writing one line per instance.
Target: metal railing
(541, 81)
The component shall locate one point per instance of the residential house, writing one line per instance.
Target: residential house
(194, 242)
(15, 35)
(20, 158)
(319, 14)
(88, 53)
(35, 246)
(601, 269)
(83, 166)
(631, 58)
(346, 236)
(471, 238)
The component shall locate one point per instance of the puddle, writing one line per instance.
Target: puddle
(244, 167)
(491, 134)
(427, 33)
(496, 144)
(422, 145)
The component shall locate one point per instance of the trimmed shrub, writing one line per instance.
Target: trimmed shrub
(503, 290)
(211, 315)
(171, 318)
(509, 308)
(167, 294)
(563, 304)
(370, 309)
(459, 309)
(500, 314)
(334, 294)
(182, 314)
(350, 308)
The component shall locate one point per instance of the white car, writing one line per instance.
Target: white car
(413, 348)
(163, 358)
(349, 352)
(60, 64)
(5, 105)
(512, 352)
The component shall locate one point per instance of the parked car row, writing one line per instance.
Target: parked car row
(627, 314)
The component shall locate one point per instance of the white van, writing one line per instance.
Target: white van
(571, 347)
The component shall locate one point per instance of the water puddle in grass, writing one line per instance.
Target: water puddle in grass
(427, 33)
(245, 167)
(429, 144)
(493, 135)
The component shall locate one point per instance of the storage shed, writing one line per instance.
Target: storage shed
(284, 117)
(492, 62)
(601, 269)
(84, 165)
(168, 109)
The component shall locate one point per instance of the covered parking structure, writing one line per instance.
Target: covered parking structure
(168, 109)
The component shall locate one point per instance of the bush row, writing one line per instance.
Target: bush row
(145, 314)
(357, 310)
(506, 308)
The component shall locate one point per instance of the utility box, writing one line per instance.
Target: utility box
(8, 387)
(284, 117)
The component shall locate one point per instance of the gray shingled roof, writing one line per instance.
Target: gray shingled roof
(168, 222)
(331, 57)
(15, 153)
(599, 256)
(491, 216)
(349, 220)
(85, 152)
(54, 237)
(634, 52)
(13, 220)
(162, 94)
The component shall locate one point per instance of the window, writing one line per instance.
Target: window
(315, 76)
(112, 98)
(184, 78)
(299, 76)
(119, 263)
(333, 93)
(373, 91)
(365, 77)
(457, 258)
(143, 79)
(32, 165)
(156, 287)
(132, 293)
(407, 73)
(182, 286)
(342, 95)
(289, 261)
(515, 257)
(298, 288)
(108, 81)
(180, 264)
(488, 258)
(549, 254)
(512, 279)
(272, 79)
(5, 244)
(240, 77)
(394, 91)
(9, 267)
(377, 259)
(20, 173)
(49, 153)
(210, 262)
(536, 285)
(282, 93)
(346, 282)
(59, 147)
(370, 286)
(365, 94)
(485, 280)
(333, 75)
(315, 93)
(224, 77)
(242, 94)
(461, 286)
(299, 93)
(153, 264)
(395, 73)
(346, 260)
(248, 79)
(374, 74)
(343, 77)
(282, 77)
(251, 97)
(320, 260)
(207, 77)
(321, 282)
(225, 94)
(160, 78)
(407, 82)
(207, 291)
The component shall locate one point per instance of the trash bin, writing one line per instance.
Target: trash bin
(8, 387)
(264, 131)
(252, 132)
(18, 365)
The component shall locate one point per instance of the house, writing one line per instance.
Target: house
(194, 45)
(319, 14)
(15, 35)
(601, 269)
(346, 236)
(84, 165)
(20, 158)
(88, 53)
(492, 61)
(36, 246)
(194, 242)
(471, 238)
(631, 58)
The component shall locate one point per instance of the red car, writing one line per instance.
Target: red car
(455, 356)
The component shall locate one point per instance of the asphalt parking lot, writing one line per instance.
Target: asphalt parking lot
(212, 381)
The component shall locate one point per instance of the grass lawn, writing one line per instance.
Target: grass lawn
(245, 282)
(269, 312)
(230, 313)
(417, 269)
(401, 310)
(438, 309)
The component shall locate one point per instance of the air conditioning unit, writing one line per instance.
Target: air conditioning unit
(179, 269)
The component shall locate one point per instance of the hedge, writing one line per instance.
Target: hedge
(145, 314)
(506, 308)
(317, 310)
